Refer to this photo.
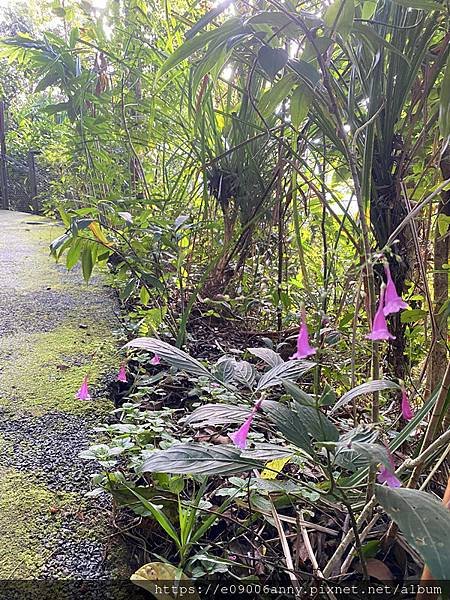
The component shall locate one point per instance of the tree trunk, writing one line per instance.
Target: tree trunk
(387, 212)
(438, 359)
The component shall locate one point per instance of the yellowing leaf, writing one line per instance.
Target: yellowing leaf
(97, 231)
(274, 467)
(155, 577)
(144, 296)
(443, 222)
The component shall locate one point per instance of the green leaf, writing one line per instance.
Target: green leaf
(443, 221)
(307, 72)
(49, 79)
(401, 437)
(274, 19)
(224, 370)
(87, 262)
(298, 394)
(73, 254)
(412, 315)
(244, 372)
(278, 92)
(317, 424)
(339, 16)
(301, 101)
(58, 246)
(214, 59)
(267, 355)
(171, 355)
(158, 515)
(199, 41)
(424, 522)
(206, 19)
(365, 388)
(427, 5)
(52, 109)
(203, 459)
(368, 9)
(281, 20)
(287, 370)
(144, 296)
(350, 454)
(289, 423)
(74, 37)
(217, 414)
(272, 60)
(376, 42)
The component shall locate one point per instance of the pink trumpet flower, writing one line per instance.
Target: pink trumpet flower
(239, 437)
(304, 349)
(407, 412)
(83, 392)
(393, 303)
(155, 360)
(122, 374)
(387, 475)
(379, 326)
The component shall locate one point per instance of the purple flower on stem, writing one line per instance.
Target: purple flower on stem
(393, 303)
(303, 347)
(379, 325)
(407, 412)
(83, 392)
(239, 437)
(122, 374)
(387, 475)
(155, 360)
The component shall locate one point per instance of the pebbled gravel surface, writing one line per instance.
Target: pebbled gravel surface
(36, 295)
(48, 446)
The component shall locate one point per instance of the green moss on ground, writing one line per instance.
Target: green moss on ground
(23, 505)
(44, 370)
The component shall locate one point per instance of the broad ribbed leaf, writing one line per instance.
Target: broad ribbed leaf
(289, 423)
(244, 372)
(218, 414)
(365, 388)
(292, 369)
(224, 370)
(267, 452)
(298, 394)
(267, 355)
(171, 355)
(424, 522)
(356, 454)
(317, 424)
(401, 437)
(204, 459)
(283, 487)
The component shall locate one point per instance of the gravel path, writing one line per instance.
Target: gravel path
(53, 328)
